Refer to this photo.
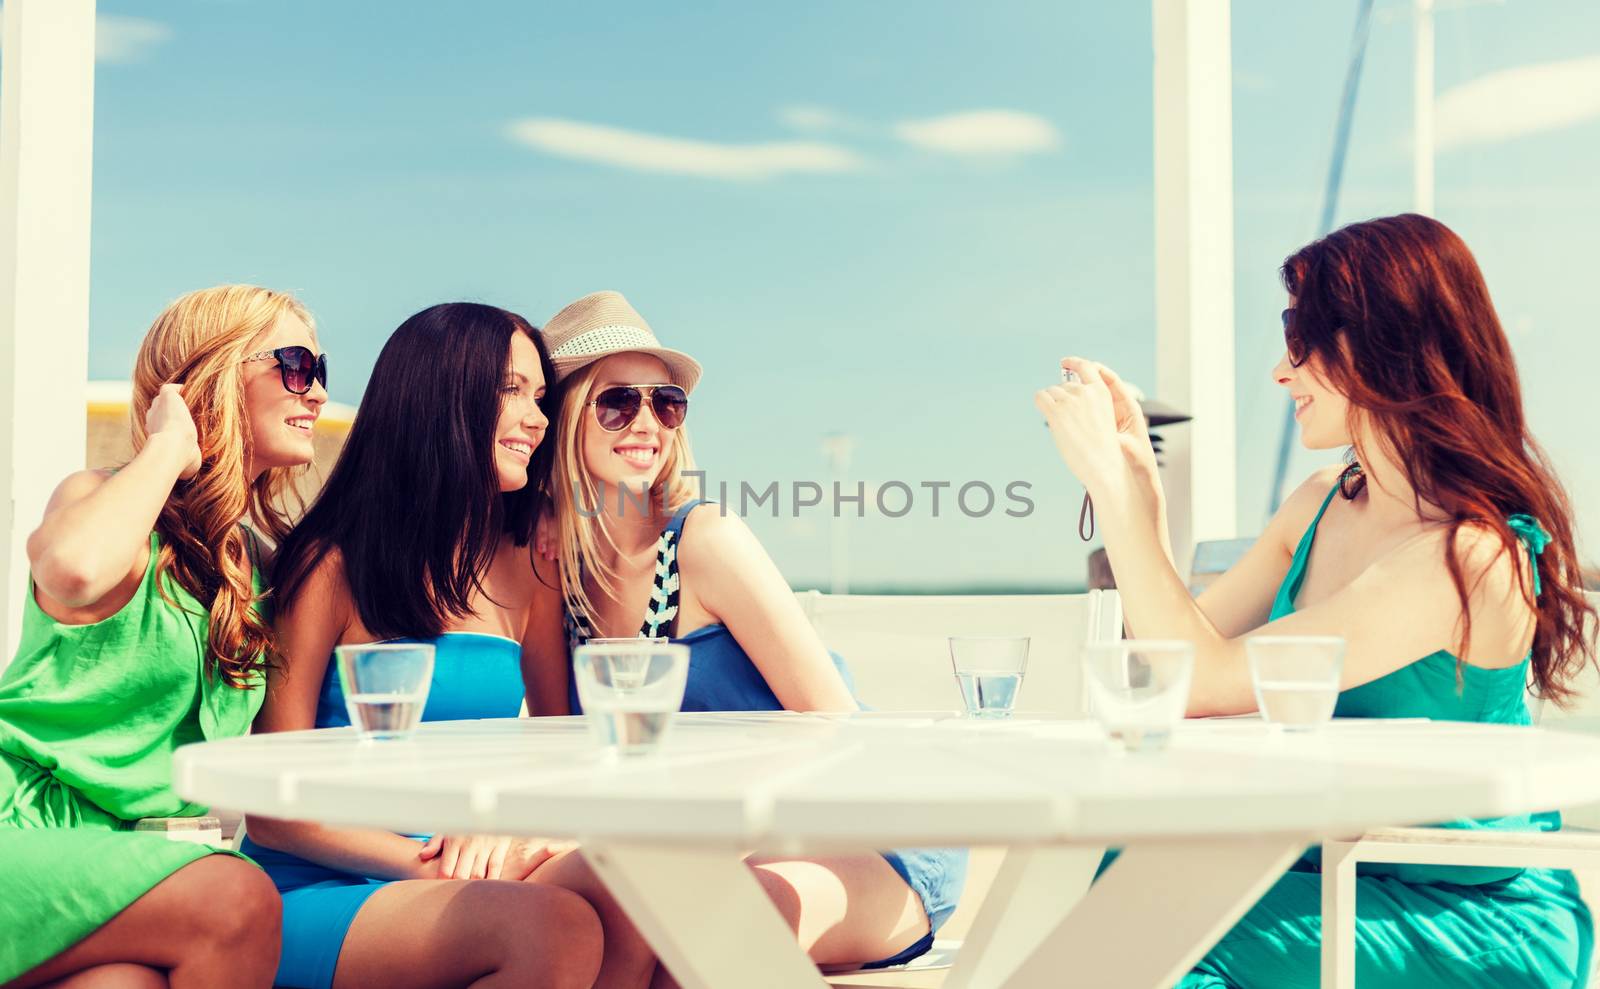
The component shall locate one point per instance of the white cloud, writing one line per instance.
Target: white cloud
(126, 39)
(1515, 102)
(811, 118)
(677, 155)
(118, 38)
(981, 132)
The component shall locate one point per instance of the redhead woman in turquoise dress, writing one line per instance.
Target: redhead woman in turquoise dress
(141, 632)
(1443, 552)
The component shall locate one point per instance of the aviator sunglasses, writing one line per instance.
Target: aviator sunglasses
(1292, 341)
(297, 365)
(617, 406)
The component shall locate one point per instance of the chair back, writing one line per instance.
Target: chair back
(897, 651)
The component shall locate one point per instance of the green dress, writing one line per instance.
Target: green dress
(89, 718)
(1419, 927)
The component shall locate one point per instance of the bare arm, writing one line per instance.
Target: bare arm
(546, 668)
(740, 586)
(308, 628)
(1400, 609)
(96, 530)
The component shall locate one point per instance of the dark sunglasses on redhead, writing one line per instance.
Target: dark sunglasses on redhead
(616, 407)
(298, 367)
(1291, 340)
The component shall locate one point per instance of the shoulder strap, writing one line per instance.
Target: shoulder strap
(1290, 589)
(662, 609)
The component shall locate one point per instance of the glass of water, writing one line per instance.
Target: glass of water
(989, 672)
(630, 689)
(1139, 689)
(1296, 677)
(385, 686)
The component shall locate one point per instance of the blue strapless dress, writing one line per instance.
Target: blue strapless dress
(474, 676)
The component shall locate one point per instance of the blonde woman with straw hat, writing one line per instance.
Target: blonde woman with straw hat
(683, 569)
(141, 632)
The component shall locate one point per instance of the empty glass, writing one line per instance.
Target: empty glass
(627, 671)
(989, 672)
(1296, 677)
(385, 686)
(630, 689)
(1139, 689)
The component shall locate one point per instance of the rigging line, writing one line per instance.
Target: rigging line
(1330, 206)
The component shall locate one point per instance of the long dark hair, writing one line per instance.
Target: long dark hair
(413, 504)
(1399, 317)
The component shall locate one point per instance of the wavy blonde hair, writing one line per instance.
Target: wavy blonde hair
(199, 342)
(584, 534)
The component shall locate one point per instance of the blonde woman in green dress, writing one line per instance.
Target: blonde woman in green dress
(142, 632)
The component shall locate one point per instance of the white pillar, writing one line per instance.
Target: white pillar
(1194, 265)
(46, 159)
(1422, 109)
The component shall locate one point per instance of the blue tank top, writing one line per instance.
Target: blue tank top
(721, 674)
(475, 675)
(1429, 688)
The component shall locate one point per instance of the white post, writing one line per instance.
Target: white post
(1194, 265)
(837, 447)
(46, 159)
(1422, 109)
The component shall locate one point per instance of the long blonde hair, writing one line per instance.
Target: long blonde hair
(199, 341)
(583, 534)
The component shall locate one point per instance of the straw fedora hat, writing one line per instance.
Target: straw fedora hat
(601, 324)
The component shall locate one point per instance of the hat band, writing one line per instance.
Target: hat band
(605, 339)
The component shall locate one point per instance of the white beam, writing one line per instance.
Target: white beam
(1194, 265)
(1422, 109)
(46, 162)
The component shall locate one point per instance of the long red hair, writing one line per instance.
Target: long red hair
(1398, 317)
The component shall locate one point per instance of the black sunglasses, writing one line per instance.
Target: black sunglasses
(1292, 341)
(617, 406)
(297, 365)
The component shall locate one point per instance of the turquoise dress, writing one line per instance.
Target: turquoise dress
(1419, 927)
(474, 676)
(722, 677)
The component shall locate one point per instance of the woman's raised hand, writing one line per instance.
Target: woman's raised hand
(1087, 418)
(169, 418)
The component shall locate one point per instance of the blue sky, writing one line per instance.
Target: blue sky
(840, 247)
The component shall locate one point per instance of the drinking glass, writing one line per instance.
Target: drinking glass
(385, 686)
(630, 689)
(989, 672)
(1139, 689)
(1296, 678)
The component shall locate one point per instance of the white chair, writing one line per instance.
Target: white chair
(1572, 847)
(896, 650)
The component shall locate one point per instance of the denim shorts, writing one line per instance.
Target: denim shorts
(937, 876)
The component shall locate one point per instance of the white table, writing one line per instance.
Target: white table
(1206, 826)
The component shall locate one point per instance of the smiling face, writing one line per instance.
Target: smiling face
(280, 421)
(634, 456)
(1322, 412)
(522, 423)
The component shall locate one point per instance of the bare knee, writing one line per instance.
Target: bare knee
(119, 975)
(548, 935)
(240, 909)
(782, 894)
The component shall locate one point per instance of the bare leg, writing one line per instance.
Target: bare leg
(628, 961)
(845, 909)
(176, 927)
(118, 976)
(483, 933)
